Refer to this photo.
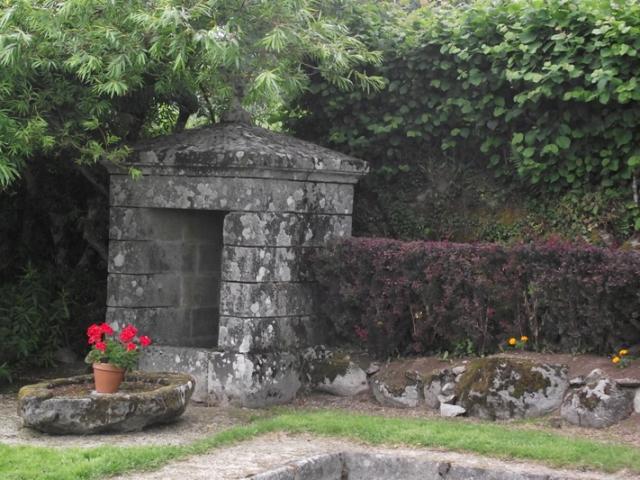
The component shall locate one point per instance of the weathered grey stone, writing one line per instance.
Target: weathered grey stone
(241, 147)
(160, 290)
(200, 290)
(327, 466)
(446, 398)
(253, 380)
(576, 381)
(146, 257)
(431, 393)
(168, 324)
(628, 382)
(212, 239)
(594, 375)
(503, 388)
(449, 410)
(284, 229)
(354, 465)
(448, 388)
(187, 327)
(268, 334)
(351, 382)
(266, 299)
(373, 368)
(334, 372)
(636, 401)
(434, 387)
(406, 397)
(263, 264)
(231, 193)
(248, 380)
(164, 224)
(124, 411)
(192, 361)
(599, 403)
(459, 370)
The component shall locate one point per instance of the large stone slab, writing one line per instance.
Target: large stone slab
(263, 264)
(250, 300)
(226, 194)
(178, 326)
(230, 148)
(194, 361)
(52, 408)
(148, 257)
(161, 290)
(268, 334)
(253, 380)
(284, 229)
(248, 380)
(163, 224)
(360, 465)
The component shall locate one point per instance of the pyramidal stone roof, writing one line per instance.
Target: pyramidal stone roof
(239, 146)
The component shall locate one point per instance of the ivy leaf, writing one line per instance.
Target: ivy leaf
(563, 141)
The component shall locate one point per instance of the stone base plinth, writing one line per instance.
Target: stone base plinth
(244, 379)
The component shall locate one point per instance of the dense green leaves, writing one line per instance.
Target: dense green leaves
(78, 77)
(544, 91)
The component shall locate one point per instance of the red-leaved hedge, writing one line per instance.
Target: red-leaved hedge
(406, 297)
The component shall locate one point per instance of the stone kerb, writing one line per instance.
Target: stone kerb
(181, 273)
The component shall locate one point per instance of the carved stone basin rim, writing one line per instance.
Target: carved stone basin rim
(46, 407)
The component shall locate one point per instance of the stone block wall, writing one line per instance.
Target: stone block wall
(207, 254)
(165, 273)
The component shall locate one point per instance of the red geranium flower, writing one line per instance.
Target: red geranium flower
(128, 333)
(106, 328)
(131, 346)
(94, 332)
(101, 346)
(145, 341)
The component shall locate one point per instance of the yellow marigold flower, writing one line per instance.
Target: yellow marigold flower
(616, 359)
(512, 341)
(524, 338)
(623, 352)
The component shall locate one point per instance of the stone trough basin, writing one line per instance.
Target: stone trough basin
(372, 466)
(71, 406)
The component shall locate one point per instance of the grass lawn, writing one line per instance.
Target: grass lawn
(495, 440)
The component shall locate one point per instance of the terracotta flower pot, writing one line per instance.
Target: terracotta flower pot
(107, 377)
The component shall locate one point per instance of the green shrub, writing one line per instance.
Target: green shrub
(540, 91)
(413, 297)
(33, 314)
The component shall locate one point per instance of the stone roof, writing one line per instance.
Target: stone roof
(239, 146)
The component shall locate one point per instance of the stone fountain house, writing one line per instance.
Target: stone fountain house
(206, 254)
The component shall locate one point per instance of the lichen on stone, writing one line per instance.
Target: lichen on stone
(508, 387)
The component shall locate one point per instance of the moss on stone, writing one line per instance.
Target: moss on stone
(330, 368)
(478, 383)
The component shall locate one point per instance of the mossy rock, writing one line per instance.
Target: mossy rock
(598, 404)
(504, 388)
(335, 372)
(70, 406)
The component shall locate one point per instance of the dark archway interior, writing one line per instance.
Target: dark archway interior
(191, 242)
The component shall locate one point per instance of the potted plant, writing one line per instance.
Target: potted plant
(112, 356)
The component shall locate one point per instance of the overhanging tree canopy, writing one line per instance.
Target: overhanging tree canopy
(78, 77)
